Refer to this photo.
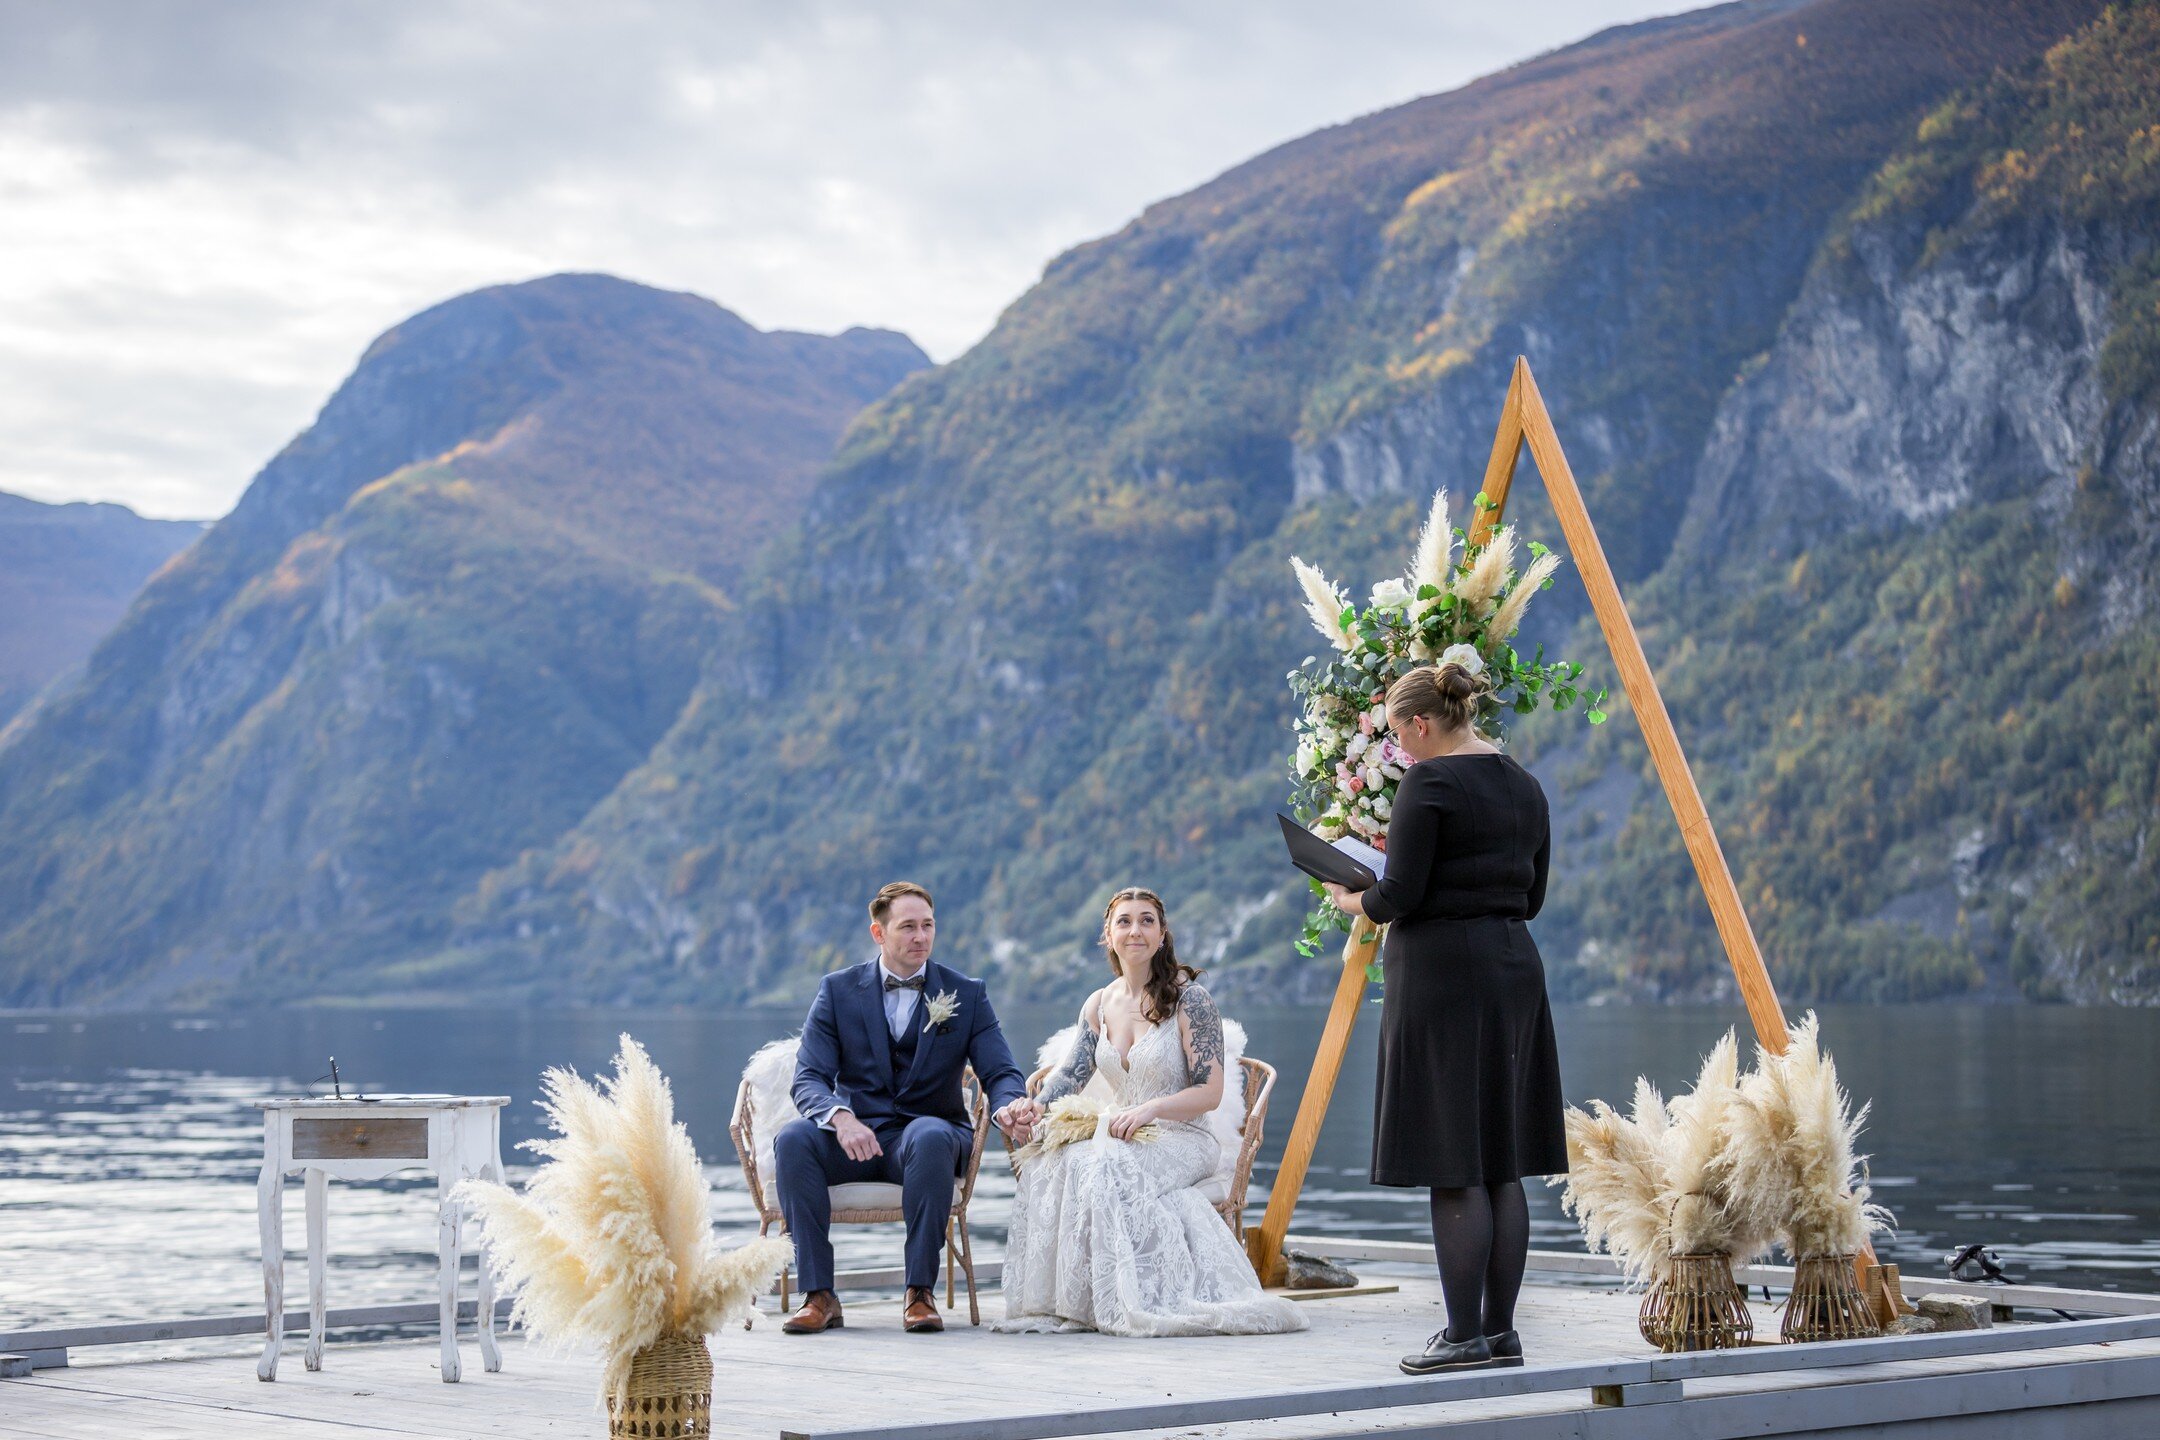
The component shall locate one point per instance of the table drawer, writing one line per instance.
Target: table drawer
(360, 1139)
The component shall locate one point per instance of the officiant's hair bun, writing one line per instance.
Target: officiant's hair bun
(1447, 693)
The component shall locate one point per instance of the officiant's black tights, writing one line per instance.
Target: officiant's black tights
(1481, 1234)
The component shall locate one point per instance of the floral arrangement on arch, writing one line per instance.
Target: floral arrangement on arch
(1459, 602)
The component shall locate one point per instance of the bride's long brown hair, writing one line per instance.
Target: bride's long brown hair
(1167, 975)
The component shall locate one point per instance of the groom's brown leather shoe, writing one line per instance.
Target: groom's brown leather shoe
(921, 1315)
(820, 1311)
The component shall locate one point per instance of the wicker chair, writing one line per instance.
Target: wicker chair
(1227, 1198)
(873, 1202)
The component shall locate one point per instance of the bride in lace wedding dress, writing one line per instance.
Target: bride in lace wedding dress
(1108, 1233)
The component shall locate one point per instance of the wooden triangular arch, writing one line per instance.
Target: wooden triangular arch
(1524, 420)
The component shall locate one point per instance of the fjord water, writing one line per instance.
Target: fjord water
(129, 1149)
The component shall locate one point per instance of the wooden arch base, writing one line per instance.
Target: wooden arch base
(1525, 421)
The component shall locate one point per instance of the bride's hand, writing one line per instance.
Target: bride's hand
(1125, 1122)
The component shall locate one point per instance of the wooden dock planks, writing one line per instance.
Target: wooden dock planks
(873, 1375)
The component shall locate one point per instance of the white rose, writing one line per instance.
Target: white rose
(1391, 595)
(1384, 809)
(1359, 744)
(1465, 656)
(1308, 755)
(1372, 777)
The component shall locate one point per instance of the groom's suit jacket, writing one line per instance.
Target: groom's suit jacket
(846, 1055)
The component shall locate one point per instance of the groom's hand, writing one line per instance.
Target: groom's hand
(857, 1140)
(1017, 1119)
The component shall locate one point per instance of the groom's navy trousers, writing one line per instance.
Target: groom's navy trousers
(922, 1156)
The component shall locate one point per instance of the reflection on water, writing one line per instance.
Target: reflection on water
(129, 1149)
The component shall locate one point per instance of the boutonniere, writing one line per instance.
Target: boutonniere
(939, 1009)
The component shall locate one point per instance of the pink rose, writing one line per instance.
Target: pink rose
(1356, 785)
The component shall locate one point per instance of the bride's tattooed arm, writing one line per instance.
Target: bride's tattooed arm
(1203, 1034)
(1077, 1068)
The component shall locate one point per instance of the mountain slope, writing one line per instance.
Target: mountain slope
(439, 625)
(67, 573)
(1914, 596)
(1029, 642)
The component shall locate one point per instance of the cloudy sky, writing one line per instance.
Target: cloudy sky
(207, 210)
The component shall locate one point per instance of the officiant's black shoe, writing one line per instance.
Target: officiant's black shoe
(820, 1311)
(1442, 1353)
(919, 1315)
(1506, 1348)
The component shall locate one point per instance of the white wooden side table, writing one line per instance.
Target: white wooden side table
(453, 1136)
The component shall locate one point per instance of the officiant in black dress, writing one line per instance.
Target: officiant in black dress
(1469, 1098)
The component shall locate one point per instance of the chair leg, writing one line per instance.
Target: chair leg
(967, 1260)
(949, 1226)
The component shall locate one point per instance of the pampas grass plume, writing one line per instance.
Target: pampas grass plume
(1508, 618)
(1325, 603)
(1616, 1181)
(1435, 556)
(1794, 1138)
(1708, 1214)
(611, 1242)
(1482, 581)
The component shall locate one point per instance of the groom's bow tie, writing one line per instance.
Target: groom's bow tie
(894, 982)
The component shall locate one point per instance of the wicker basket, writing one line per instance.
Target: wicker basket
(1826, 1303)
(1696, 1306)
(670, 1392)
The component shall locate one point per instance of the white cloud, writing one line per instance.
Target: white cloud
(206, 212)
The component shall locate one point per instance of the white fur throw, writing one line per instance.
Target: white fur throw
(771, 1073)
(1227, 1120)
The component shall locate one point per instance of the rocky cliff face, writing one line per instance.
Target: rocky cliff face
(1900, 392)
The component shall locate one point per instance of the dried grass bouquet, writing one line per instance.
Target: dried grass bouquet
(611, 1243)
(1071, 1120)
(1659, 1182)
(1793, 1152)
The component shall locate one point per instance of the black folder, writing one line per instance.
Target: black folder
(1323, 861)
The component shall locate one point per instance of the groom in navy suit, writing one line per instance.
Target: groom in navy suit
(877, 1080)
